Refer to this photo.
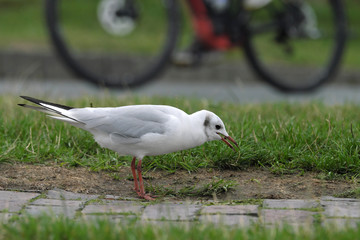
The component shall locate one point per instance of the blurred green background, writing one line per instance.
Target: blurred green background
(22, 28)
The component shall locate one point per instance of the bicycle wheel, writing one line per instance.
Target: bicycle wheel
(114, 43)
(296, 45)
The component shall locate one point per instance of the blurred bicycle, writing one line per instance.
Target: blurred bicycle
(295, 45)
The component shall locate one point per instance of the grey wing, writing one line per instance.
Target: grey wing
(130, 130)
(125, 125)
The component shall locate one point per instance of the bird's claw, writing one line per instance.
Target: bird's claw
(145, 196)
(148, 197)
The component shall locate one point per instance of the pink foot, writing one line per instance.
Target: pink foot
(147, 197)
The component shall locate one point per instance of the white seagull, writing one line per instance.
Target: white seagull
(140, 130)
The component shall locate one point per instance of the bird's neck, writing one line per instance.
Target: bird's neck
(197, 127)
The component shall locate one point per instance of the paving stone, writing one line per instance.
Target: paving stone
(54, 206)
(231, 209)
(62, 194)
(230, 220)
(113, 197)
(290, 203)
(330, 198)
(164, 224)
(113, 207)
(57, 202)
(117, 218)
(280, 217)
(14, 201)
(341, 207)
(57, 210)
(342, 210)
(340, 223)
(170, 211)
(344, 203)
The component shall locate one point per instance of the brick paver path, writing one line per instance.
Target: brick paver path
(296, 212)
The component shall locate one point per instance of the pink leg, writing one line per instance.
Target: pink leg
(141, 183)
(136, 188)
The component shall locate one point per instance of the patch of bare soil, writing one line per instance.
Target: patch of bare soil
(252, 183)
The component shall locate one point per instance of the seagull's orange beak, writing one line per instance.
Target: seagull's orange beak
(225, 140)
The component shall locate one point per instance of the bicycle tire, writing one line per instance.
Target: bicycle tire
(299, 78)
(114, 66)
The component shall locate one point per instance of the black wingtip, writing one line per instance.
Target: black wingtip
(37, 101)
(31, 99)
(25, 97)
(21, 105)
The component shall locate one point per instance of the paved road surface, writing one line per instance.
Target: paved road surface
(211, 90)
(219, 81)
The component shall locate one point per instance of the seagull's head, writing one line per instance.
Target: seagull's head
(214, 129)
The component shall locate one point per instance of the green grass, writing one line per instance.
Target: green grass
(49, 227)
(22, 25)
(355, 193)
(285, 138)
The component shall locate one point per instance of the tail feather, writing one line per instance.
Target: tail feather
(40, 109)
(65, 119)
(57, 111)
(40, 102)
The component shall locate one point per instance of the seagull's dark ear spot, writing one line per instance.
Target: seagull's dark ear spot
(206, 122)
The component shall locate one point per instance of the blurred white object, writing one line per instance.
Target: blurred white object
(309, 27)
(111, 22)
(221, 5)
(255, 4)
(218, 5)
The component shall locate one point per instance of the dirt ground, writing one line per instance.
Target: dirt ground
(252, 183)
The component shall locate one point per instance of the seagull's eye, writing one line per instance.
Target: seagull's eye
(217, 127)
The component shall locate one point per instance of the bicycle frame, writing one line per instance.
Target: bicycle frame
(204, 27)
